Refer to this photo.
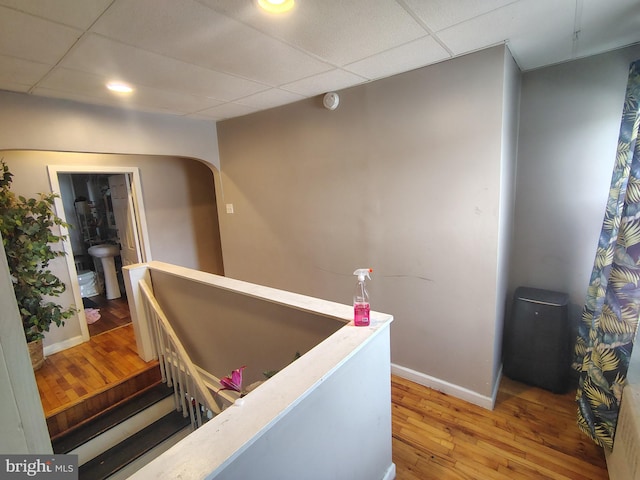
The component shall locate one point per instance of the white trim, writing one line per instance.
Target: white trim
(141, 223)
(391, 472)
(24, 429)
(132, 275)
(496, 388)
(68, 343)
(136, 183)
(446, 387)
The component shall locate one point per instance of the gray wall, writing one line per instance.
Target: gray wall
(406, 176)
(29, 122)
(569, 126)
(240, 330)
(179, 201)
(510, 124)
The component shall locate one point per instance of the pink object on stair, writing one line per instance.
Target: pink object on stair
(92, 314)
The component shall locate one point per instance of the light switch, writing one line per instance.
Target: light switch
(229, 207)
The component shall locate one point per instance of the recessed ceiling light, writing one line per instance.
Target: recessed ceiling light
(119, 87)
(276, 6)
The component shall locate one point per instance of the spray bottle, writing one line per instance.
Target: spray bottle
(361, 306)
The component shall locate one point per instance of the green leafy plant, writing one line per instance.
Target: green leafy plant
(26, 227)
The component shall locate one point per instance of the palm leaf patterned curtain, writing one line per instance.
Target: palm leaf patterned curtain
(610, 315)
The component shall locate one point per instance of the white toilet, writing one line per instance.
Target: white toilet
(88, 283)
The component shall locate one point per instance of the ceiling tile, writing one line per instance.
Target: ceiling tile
(528, 56)
(13, 87)
(22, 72)
(226, 110)
(269, 98)
(101, 56)
(440, 14)
(337, 31)
(191, 32)
(410, 56)
(523, 23)
(334, 80)
(227, 58)
(106, 101)
(90, 85)
(604, 28)
(68, 12)
(46, 42)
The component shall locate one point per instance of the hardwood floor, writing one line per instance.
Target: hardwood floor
(113, 314)
(531, 434)
(81, 371)
(80, 382)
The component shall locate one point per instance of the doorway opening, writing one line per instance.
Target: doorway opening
(107, 231)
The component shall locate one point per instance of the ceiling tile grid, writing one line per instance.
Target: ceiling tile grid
(191, 32)
(73, 13)
(21, 72)
(215, 59)
(45, 42)
(334, 80)
(412, 55)
(117, 61)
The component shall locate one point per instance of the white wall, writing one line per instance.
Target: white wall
(406, 176)
(341, 431)
(24, 429)
(569, 126)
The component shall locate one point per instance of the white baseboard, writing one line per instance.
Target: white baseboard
(390, 473)
(58, 347)
(448, 388)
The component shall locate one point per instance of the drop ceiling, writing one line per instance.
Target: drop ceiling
(217, 59)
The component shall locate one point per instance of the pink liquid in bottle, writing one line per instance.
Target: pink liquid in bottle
(361, 314)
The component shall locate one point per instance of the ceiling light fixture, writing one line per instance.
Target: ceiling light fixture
(276, 6)
(119, 87)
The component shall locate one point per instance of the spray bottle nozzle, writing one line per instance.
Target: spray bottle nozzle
(361, 272)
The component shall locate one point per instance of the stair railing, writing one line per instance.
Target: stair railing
(192, 397)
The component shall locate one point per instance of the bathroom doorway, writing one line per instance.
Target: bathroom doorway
(104, 208)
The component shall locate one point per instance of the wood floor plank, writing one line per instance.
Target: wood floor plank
(531, 434)
(113, 313)
(70, 375)
(82, 381)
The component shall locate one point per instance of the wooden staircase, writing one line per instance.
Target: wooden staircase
(105, 404)
(144, 424)
(68, 417)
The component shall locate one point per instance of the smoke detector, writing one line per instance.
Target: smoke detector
(331, 100)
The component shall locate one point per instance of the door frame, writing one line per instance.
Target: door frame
(139, 215)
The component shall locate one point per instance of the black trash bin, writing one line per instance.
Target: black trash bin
(537, 339)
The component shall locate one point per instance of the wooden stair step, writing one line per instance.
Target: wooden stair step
(73, 416)
(106, 420)
(135, 446)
